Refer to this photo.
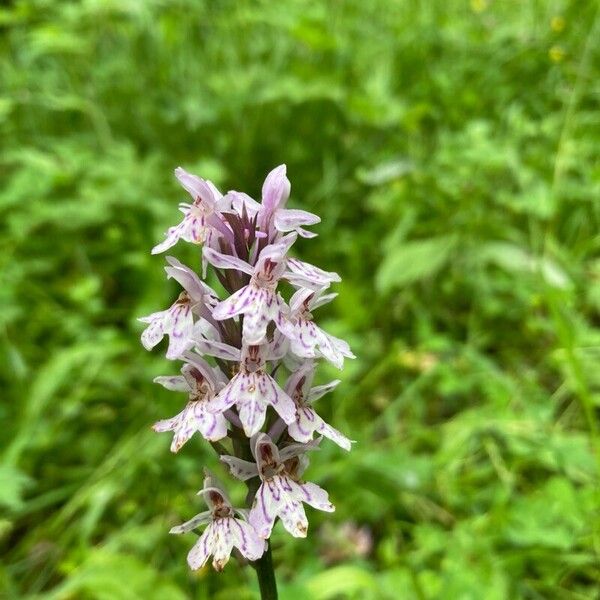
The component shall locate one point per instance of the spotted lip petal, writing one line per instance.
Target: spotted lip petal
(308, 422)
(280, 496)
(308, 340)
(252, 393)
(177, 322)
(194, 417)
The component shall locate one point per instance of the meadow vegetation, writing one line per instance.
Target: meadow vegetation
(451, 148)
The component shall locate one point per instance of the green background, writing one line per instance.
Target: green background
(451, 148)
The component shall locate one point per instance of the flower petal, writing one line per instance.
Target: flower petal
(199, 519)
(291, 219)
(223, 541)
(217, 349)
(225, 261)
(303, 428)
(293, 517)
(180, 329)
(320, 390)
(197, 187)
(303, 274)
(266, 306)
(244, 299)
(155, 331)
(312, 494)
(334, 435)
(240, 469)
(265, 508)
(276, 189)
(202, 549)
(175, 383)
(247, 540)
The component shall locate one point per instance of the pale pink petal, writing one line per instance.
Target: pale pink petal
(305, 233)
(321, 299)
(155, 330)
(293, 517)
(304, 336)
(303, 428)
(223, 541)
(228, 396)
(225, 261)
(202, 549)
(312, 494)
(212, 426)
(276, 397)
(181, 326)
(276, 252)
(299, 298)
(293, 450)
(193, 228)
(303, 274)
(198, 188)
(252, 412)
(240, 469)
(334, 435)
(217, 349)
(333, 349)
(276, 189)
(247, 540)
(175, 383)
(188, 279)
(239, 201)
(278, 348)
(300, 380)
(265, 508)
(194, 417)
(266, 307)
(244, 299)
(320, 390)
(200, 519)
(173, 236)
(292, 219)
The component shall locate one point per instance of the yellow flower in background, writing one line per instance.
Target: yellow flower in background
(478, 6)
(557, 23)
(556, 54)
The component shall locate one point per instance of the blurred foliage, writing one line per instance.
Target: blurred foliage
(451, 149)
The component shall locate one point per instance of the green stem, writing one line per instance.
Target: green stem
(266, 575)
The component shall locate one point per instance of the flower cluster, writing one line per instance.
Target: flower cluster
(235, 353)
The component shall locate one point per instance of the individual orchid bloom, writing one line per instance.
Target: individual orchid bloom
(273, 217)
(308, 340)
(201, 389)
(307, 421)
(252, 390)
(258, 301)
(281, 492)
(201, 221)
(224, 530)
(177, 322)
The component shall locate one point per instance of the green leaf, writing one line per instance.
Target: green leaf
(413, 261)
(13, 483)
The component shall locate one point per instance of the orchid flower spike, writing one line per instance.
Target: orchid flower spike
(249, 357)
